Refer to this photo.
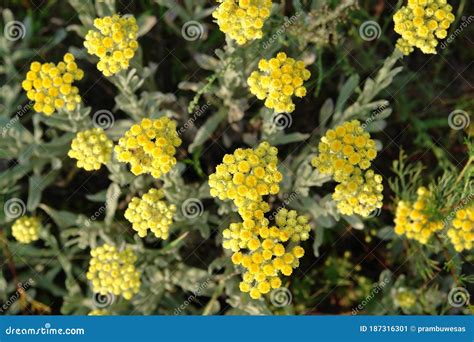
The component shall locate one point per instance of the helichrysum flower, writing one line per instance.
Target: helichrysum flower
(344, 149)
(245, 177)
(242, 20)
(99, 312)
(26, 229)
(405, 299)
(346, 153)
(296, 227)
(360, 194)
(461, 232)
(411, 218)
(150, 212)
(149, 147)
(421, 23)
(113, 271)
(277, 81)
(91, 148)
(262, 254)
(114, 42)
(50, 86)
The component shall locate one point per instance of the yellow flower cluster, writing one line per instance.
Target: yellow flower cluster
(261, 252)
(99, 312)
(111, 271)
(150, 212)
(150, 146)
(26, 229)
(361, 194)
(346, 153)
(280, 78)
(412, 221)
(91, 148)
(344, 149)
(405, 298)
(245, 177)
(114, 43)
(461, 233)
(242, 20)
(50, 86)
(421, 23)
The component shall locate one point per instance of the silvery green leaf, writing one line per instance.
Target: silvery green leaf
(206, 130)
(354, 221)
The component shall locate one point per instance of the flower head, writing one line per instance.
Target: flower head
(242, 20)
(91, 148)
(461, 232)
(150, 146)
(412, 220)
(150, 212)
(277, 81)
(99, 312)
(245, 177)
(360, 194)
(111, 271)
(344, 149)
(262, 253)
(421, 23)
(114, 42)
(26, 229)
(50, 86)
